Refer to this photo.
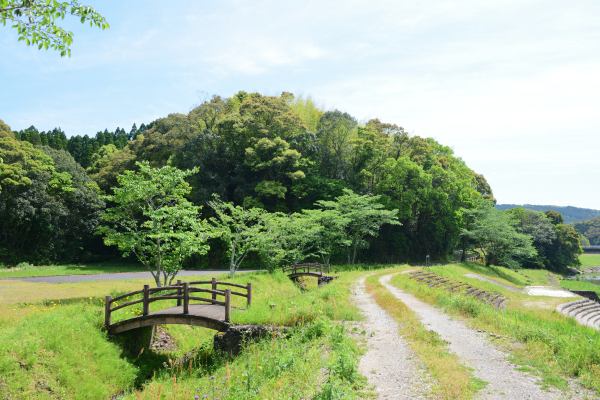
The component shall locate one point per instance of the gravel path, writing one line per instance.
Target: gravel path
(389, 364)
(476, 351)
(113, 276)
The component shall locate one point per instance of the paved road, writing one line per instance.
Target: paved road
(113, 276)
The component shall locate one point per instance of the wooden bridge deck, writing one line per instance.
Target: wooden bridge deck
(297, 271)
(210, 316)
(211, 312)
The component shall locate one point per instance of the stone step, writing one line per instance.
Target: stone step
(588, 315)
(566, 308)
(582, 310)
(595, 321)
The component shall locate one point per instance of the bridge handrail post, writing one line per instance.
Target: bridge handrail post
(249, 296)
(146, 299)
(107, 303)
(213, 284)
(179, 293)
(186, 298)
(227, 304)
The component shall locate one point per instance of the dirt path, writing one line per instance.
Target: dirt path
(389, 364)
(476, 351)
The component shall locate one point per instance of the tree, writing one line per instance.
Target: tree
(541, 229)
(36, 21)
(49, 208)
(151, 218)
(365, 215)
(493, 233)
(238, 227)
(331, 233)
(590, 230)
(565, 253)
(557, 244)
(286, 239)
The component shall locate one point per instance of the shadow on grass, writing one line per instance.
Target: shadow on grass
(136, 349)
(482, 269)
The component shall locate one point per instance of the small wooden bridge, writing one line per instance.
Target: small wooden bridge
(296, 271)
(199, 303)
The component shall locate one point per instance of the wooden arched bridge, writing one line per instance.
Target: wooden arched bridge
(199, 303)
(317, 270)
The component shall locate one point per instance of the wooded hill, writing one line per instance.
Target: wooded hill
(277, 152)
(570, 214)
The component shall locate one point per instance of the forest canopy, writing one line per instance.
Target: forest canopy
(284, 154)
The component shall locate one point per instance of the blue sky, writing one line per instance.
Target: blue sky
(512, 86)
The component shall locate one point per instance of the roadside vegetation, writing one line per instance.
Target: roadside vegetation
(56, 348)
(541, 340)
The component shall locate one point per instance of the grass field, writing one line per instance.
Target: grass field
(52, 344)
(26, 270)
(52, 347)
(589, 260)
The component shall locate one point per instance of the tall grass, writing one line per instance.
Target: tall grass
(60, 352)
(57, 349)
(317, 360)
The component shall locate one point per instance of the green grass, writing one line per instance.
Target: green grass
(60, 352)
(290, 368)
(580, 285)
(589, 260)
(554, 346)
(54, 347)
(452, 379)
(28, 270)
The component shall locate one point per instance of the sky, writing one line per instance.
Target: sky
(512, 86)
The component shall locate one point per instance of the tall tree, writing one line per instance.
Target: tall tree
(493, 233)
(36, 21)
(238, 227)
(365, 214)
(330, 233)
(151, 218)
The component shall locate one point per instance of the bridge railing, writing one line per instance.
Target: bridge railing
(244, 291)
(305, 268)
(183, 293)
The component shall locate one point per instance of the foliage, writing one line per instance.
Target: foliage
(570, 214)
(493, 233)
(151, 218)
(286, 239)
(48, 205)
(36, 21)
(330, 235)
(557, 244)
(283, 154)
(238, 227)
(365, 216)
(590, 229)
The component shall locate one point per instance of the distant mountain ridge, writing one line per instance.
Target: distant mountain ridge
(570, 214)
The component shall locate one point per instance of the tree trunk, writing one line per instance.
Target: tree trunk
(354, 250)
(156, 276)
(232, 261)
